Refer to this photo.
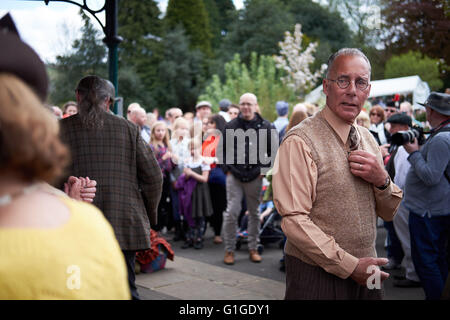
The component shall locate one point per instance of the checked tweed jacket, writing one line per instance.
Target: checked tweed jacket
(129, 180)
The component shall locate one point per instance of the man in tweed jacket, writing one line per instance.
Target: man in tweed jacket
(110, 150)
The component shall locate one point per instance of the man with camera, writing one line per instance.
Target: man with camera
(427, 197)
(399, 248)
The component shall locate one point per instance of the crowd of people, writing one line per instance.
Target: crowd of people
(101, 182)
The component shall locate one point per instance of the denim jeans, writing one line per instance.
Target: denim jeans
(429, 238)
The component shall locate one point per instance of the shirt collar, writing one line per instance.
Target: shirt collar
(341, 127)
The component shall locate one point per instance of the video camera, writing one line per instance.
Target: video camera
(403, 137)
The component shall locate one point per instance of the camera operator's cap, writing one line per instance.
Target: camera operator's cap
(400, 118)
(19, 59)
(282, 108)
(439, 102)
(203, 104)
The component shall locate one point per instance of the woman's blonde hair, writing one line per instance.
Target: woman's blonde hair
(364, 117)
(29, 141)
(165, 140)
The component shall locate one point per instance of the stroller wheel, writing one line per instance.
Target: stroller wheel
(238, 245)
(260, 248)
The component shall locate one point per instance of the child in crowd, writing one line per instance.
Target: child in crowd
(180, 142)
(194, 197)
(69, 109)
(181, 152)
(159, 142)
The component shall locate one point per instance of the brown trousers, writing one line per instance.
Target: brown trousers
(307, 282)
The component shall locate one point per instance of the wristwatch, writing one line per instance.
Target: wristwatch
(386, 184)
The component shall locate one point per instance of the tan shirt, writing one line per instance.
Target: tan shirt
(294, 186)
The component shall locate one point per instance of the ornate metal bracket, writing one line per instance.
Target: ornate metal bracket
(110, 27)
(85, 7)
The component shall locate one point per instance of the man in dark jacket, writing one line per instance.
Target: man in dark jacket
(249, 148)
(110, 150)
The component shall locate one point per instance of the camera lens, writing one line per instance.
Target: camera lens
(402, 137)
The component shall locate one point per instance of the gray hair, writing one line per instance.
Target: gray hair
(347, 52)
(111, 89)
(94, 93)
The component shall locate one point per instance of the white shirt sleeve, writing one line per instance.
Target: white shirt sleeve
(402, 166)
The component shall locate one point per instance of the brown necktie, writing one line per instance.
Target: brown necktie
(354, 138)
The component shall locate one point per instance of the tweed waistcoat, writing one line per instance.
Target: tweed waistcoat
(344, 207)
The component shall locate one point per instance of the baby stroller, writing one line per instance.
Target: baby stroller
(270, 232)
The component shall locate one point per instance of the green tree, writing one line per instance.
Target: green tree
(213, 18)
(377, 58)
(193, 16)
(180, 74)
(262, 78)
(226, 10)
(220, 13)
(88, 56)
(258, 28)
(414, 63)
(141, 49)
(132, 89)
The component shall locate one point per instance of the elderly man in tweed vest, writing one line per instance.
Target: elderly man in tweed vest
(330, 185)
(110, 150)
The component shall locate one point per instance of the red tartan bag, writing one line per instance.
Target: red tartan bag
(155, 258)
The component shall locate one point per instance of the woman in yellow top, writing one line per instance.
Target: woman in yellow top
(51, 247)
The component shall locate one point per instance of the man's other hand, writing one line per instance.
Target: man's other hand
(362, 273)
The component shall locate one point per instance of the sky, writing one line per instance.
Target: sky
(51, 29)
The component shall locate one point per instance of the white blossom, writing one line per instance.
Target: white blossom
(296, 61)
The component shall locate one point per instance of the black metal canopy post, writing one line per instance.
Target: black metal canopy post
(112, 40)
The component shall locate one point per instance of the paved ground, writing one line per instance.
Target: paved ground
(201, 275)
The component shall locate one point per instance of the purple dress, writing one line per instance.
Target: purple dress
(185, 189)
(165, 165)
